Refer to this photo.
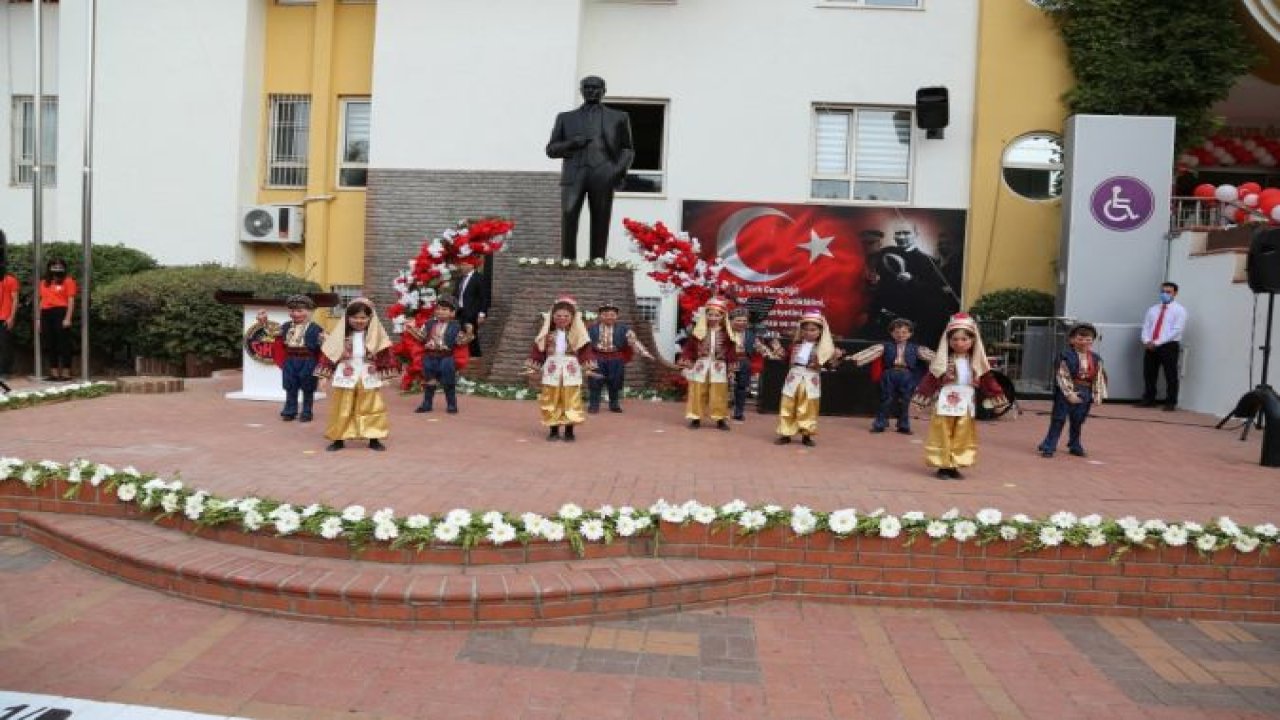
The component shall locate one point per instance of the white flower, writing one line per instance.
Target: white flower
(963, 530)
(890, 527)
(1021, 519)
(49, 465)
(1206, 543)
(552, 530)
(446, 532)
(1266, 530)
(569, 511)
(913, 516)
(386, 530)
(73, 476)
(500, 533)
(459, 517)
(331, 528)
(288, 523)
(657, 507)
(169, 502)
(1096, 538)
(193, 507)
(606, 511)
(1174, 536)
(310, 510)
(1063, 519)
(1246, 543)
(1228, 527)
(951, 514)
(772, 509)
(733, 507)
(1091, 521)
(843, 522)
(937, 529)
(674, 514)
(1050, 536)
(1154, 525)
(417, 522)
(131, 470)
(1128, 522)
(705, 515)
(566, 263)
(385, 515)
(989, 516)
(592, 529)
(493, 517)
(30, 477)
(582, 263)
(803, 521)
(597, 262)
(1135, 535)
(253, 520)
(1193, 527)
(752, 520)
(531, 522)
(353, 513)
(1008, 533)
(626, 526)
(127, 491)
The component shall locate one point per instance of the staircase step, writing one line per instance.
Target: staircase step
(360, 592)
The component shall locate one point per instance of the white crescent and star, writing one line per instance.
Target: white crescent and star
(727, 244)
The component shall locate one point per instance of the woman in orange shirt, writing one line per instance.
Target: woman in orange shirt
(57, 306)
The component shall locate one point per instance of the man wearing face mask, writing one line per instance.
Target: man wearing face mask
(1162, 338)
(57, 306)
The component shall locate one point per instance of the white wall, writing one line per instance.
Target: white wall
(1218, 344)
(471, 84)
(17, 77)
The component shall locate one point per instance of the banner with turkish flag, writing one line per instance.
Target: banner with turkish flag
(862, 266)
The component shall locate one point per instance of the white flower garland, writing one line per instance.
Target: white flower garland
(594, 264)
(577, 525)
(29, 398)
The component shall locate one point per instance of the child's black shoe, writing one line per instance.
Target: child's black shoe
(875, 429)
(304, 417)
(784, 440)
(808, 441)
(554, 435)
(1078, 452)
(288, 418)
(722, 424)
(568, 434)
(422, 409)
(1046, 453)
(336, 445)
(904, 431)
(695, 424)
(376, 444)
(452, 411)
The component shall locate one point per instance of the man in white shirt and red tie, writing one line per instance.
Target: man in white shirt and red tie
(1162, 337)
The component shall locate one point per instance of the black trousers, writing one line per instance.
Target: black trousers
(55, 338)
(6, 349)
(595, 185)
(1162, 357)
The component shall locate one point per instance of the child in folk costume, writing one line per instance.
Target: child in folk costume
(444, 354)
(296, 350)
(899, 363)
(356, 359)
(750, 359)
(613, 344)
(811, 349)
(1081, 382)
(707, 356)
(959, 377)
(561, 356)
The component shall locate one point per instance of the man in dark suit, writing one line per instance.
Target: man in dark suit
(473, 298)
(595, 143)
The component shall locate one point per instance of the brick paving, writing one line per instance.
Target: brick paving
(66, 631)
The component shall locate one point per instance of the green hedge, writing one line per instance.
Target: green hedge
(110, 262)
(170, 312)
(1001, 305)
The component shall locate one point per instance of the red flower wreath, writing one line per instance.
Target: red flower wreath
(678, 264)
(431, 275)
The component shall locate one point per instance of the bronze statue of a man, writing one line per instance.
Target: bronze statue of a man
(595, 143)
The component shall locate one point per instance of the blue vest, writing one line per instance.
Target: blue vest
(450, 332)
(620, 331)
(910, 355)
(310, 336)
(1072, 359)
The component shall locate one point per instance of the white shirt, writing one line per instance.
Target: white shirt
(964, 371)
(803, 353)
(562, 342)
(1175, 321)
(462, 288)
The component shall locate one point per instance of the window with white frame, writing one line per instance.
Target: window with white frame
(861, 153)
(353, 154)
(649, 138)
(345, 293)
(23, 148)
(647, 309)
(288, 134)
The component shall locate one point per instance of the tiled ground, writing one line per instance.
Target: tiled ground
(66, 631)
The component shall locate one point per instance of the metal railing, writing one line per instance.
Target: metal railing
(1024, 349)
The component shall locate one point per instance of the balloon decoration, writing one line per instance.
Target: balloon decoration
(1247, 203)
(1222, 151)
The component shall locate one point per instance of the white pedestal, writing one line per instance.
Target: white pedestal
(259, 380)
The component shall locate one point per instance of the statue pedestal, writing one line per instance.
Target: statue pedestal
(261, 380)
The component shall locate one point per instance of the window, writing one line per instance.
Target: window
(1032, 166)
(288, 131)
(861, 154)
(353, 162)
(345, 293)
(24, 141)
(647, 308)
(649, 137)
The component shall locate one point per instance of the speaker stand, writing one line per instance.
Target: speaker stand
(1261, 403)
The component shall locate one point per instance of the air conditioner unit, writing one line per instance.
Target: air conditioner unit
(280, 224)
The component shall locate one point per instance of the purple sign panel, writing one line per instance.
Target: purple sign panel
(1122, 203)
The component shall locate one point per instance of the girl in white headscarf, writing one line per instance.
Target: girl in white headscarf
(812, 348)
(356, 359)
(561, 356)
(959, 377)
(706, 358)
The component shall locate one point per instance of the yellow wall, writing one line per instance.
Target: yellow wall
(326, 51)
(1022, 74)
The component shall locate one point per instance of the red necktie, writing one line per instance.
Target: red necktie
(1155, 334)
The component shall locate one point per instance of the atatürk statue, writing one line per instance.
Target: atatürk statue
(595, 143)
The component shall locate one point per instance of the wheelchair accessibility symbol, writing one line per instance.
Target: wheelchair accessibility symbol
(1122, 203)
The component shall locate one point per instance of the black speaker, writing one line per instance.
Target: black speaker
(932, 109)
(1263, 267)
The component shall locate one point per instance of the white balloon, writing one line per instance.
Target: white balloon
(1226, 193)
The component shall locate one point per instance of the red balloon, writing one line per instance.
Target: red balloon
(1205, 190)
(1250, 188)
(1240, 216)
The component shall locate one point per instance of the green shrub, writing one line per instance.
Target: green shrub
(170, 313)
(1001, 305)
(109, 263)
